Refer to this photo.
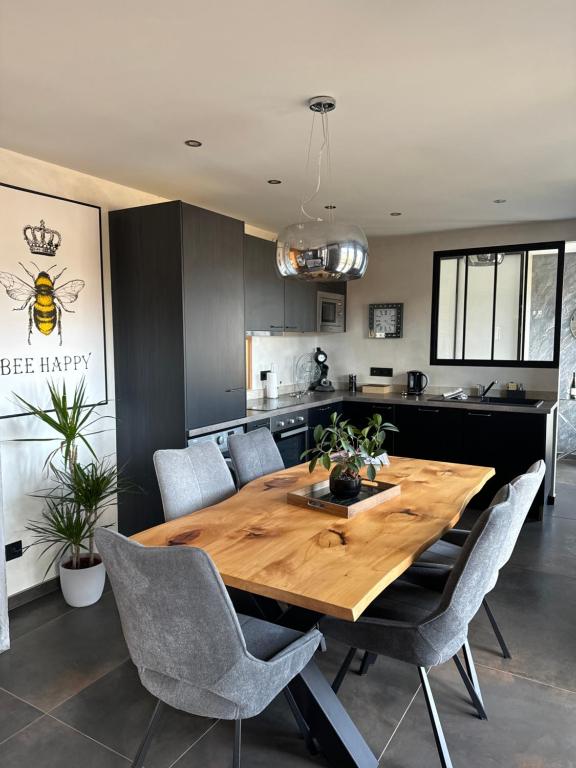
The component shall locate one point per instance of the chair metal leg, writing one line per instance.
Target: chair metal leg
(505, 652)
(443, 753)
(476, 700)
(367, 660)
(341, 674)
(149, 735)
(237, 743)
(471, 669)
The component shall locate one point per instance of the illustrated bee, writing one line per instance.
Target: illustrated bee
(43, 300)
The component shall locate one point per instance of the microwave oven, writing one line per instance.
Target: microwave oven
(331, 312)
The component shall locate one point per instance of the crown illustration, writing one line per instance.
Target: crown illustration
(41, 239)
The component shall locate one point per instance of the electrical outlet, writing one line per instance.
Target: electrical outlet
(264, 374)
(381, 371)
(13, 550)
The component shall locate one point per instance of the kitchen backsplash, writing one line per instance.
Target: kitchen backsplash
(282, 352)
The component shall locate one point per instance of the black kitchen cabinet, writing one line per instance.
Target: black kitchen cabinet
(509, 442)
(300, 306)
(321, 415)
(178, 311)
(426, 432)
(264, 288)
(359, 412)
(278, 304)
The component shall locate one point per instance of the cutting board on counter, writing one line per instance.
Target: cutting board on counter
(376, 389)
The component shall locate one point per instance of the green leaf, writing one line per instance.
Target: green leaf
(337, 471)
(371, 471)
(326, 461)
(318, 432)
(312, 465)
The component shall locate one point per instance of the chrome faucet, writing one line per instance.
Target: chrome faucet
(488, 388)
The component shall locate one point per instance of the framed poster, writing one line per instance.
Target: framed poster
(51, 298)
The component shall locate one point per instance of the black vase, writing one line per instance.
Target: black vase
(345, 487)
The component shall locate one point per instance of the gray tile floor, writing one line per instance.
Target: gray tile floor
(70, 696)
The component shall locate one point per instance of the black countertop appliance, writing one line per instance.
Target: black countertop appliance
(416, 382)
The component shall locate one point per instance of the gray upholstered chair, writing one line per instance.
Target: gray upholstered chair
(192, 651)
(425, 628)
(254, 454)
(192, 478)
(435, 563)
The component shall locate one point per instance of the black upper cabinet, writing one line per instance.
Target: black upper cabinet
(274, 303)
(264, 288)
(300, 306)
(178, 309)
(213, 275)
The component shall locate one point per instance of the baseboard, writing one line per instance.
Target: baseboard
(33, 593)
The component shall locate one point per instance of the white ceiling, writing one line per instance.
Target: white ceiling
(442, 106)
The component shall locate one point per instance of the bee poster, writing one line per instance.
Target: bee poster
(51, 300)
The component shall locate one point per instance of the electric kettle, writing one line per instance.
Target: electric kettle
(416, 382)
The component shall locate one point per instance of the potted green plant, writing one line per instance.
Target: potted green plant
(74, 507)
(347, 449)
(77, 497)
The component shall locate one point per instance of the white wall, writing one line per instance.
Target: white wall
(400, 270)
(21, 463)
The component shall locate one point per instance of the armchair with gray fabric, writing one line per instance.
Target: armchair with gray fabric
(192, 478)
(191, 649)
(426, 628)
(254, 454)
(434, 565)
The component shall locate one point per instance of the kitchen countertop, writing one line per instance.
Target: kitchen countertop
(394, 398)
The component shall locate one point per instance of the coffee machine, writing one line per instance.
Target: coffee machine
(322, 383)
(416, 382)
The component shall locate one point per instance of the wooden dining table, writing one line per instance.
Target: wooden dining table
(320, 564)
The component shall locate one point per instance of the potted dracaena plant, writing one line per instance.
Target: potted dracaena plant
(78, 495)
(347, 449)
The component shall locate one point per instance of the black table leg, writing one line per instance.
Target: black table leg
(329, 724)
(339, 740)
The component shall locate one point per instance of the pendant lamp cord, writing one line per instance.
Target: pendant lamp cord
(325, 146)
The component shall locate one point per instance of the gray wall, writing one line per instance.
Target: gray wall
(400, 269)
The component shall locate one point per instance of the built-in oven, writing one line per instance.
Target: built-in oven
(331, 312)
(290, 432)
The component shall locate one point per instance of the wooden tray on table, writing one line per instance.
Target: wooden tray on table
(318, 496)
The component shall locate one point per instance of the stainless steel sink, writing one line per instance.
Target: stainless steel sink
(525, 402)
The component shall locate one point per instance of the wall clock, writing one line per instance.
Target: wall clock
(385, 321)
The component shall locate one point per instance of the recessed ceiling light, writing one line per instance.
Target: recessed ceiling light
(330, 207)
(274, 181)
(499, 200)
(396, 213)
(193, 143)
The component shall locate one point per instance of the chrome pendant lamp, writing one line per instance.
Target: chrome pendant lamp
(321, 248)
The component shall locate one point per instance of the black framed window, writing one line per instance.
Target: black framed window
(498, 306)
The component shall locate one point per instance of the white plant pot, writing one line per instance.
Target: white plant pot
(82, 586)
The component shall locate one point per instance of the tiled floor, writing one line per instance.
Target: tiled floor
(69, 695)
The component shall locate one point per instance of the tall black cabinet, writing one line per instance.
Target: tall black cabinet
(178, 305)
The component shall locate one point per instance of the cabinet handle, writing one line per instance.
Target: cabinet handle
(429, 410)
(278, 327)
(234, 389)
(472, 413)
(291, 327)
